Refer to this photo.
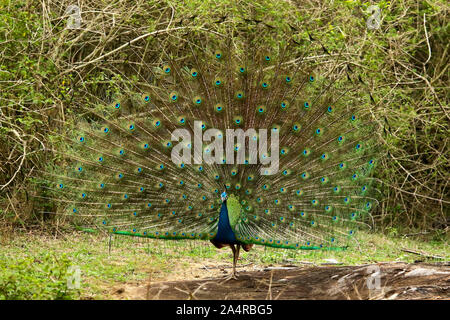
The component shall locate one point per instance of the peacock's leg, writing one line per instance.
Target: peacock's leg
(235, 259)
(235, 256)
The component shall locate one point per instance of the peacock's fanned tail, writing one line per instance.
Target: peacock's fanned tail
(118, 172)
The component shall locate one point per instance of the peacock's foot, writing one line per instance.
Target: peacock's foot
(229, 277)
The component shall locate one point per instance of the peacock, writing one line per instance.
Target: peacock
(229, 140)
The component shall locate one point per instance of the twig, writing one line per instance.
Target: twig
(227, 267)
(428, 42)
(23, 156)
(423, 254)
(154, 33)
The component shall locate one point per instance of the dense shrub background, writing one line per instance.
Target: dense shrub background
(46, 71)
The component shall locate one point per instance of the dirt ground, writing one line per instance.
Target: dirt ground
(376, 281)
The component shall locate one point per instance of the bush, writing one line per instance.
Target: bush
(38, 279)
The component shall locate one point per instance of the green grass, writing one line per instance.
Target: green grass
(35, 266)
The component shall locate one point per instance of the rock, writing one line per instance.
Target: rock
(420, 272)
(332, 261)
(392, 297)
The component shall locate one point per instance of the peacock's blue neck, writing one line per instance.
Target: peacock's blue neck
(225, 233)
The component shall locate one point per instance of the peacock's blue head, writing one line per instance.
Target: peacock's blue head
(223, 196)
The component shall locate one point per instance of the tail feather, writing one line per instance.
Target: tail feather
(117, 171)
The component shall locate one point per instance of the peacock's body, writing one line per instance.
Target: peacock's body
(159, 163)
